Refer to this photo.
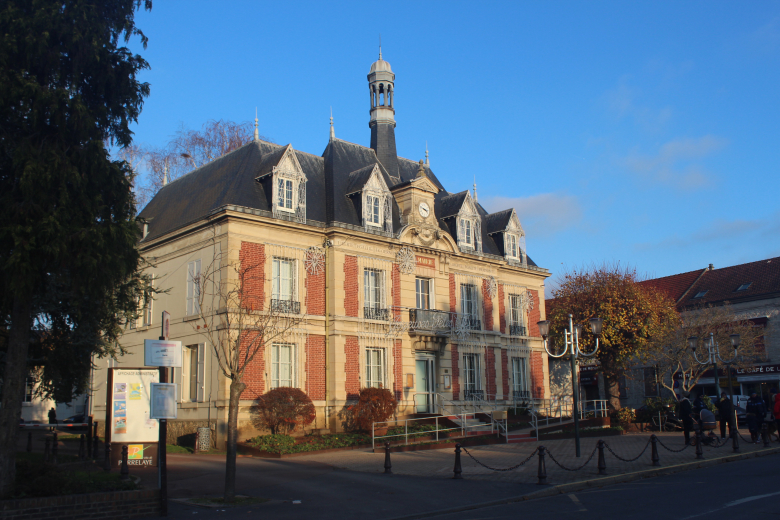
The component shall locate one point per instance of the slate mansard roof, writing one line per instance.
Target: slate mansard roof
(342, 170)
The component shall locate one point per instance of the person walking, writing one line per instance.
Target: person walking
(726, 411)
(755, 416)
(53, 417)
(684, 412)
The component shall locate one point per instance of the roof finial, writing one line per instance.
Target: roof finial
(475, 188)
(257, 134)
(421, 170)
(427, 162)
(332, 130)
(165, 172)
(380, 46)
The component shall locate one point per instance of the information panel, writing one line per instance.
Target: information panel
(129, 418)
(164, 401)
(162, 353)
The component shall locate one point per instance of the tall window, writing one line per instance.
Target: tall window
(373, 294)
(511, 246)
(147, 319)
(375, 367)
(468, 305)
(423, 288)
(193, 288)
(471, 379)
(285, 194)
(519, 386)
(516, 322)
(29, 389)
(374, 213)
(192, 365)
(282, 364)
(468, 232)
(283, 277)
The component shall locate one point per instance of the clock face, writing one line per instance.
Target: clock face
(424, 210)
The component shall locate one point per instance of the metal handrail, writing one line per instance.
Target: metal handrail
(463, 427)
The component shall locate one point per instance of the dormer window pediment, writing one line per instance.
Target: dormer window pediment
(372, 198)
(287, 186)
(469, 226)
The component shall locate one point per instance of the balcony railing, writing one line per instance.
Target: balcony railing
(428, 319)
(469, 321)
(521, 394)
(471, 394)
(376, 313)
(517, 330)
(285, 306)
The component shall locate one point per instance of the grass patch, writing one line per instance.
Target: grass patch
(237, 501)
(171, 448)
(35, 479)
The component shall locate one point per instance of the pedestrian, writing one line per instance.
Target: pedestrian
(685, 411)
(698, 404)
(755, 416)
(53, 417)
(726, 411)
(776, 414)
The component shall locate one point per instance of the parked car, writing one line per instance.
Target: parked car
(75, 419)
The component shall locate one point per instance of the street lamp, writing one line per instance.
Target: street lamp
(713, 354)
(571, 345)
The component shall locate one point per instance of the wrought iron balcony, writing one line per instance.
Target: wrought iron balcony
(429, 319)
(376, 313)
(473, 395)
(517, 330)
(285, 306)
(521, 394)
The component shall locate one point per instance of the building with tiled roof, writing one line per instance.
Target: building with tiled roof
(397, 281)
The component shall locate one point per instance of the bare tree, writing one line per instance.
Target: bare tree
(236, 321)
(674, 359)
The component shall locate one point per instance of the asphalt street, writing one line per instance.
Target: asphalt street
(742, 489)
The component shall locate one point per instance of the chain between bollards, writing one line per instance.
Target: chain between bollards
(124, 472)
(654, 450)
(699, 442)
(107, 457)
(457, 470)
(734, 440)
(541, 474)
(388, 466)
(602, 459)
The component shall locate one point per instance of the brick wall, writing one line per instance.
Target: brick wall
(537, 375)
(315, 366)
(351, 289)
(453, 300)
(252, 270)
(118, 505)
(352, 367)
(254, 374)
(396, 276)
(490, 370)
(488, 304)
(501, 310)
(534, 315)
(455, 364)
(315, 293)
(504, 373)
(398, 369)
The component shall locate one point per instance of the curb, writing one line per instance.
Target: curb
(595, 483)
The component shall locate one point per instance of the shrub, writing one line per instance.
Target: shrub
(274, 443)
(625, 416)
(374, 405)
(282, 410)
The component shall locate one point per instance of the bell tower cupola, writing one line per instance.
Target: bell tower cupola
(381, 86)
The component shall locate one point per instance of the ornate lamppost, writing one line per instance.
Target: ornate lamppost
(571, 345)
(713, 355)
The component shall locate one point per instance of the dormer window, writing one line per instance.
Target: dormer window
(285, 186)
(372, 199)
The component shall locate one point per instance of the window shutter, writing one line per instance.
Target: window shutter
(196, 289)
(190, 288)
(201, 372)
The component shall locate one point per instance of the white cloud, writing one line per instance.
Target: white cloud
(541, 215)
(621, 102)
(677, 162)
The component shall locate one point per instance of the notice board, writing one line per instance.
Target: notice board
(128, 406)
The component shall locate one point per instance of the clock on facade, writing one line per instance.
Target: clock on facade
(424, 209)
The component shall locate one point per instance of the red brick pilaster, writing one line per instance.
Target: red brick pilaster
(351, 289)
(455, 368)
(537, 375)
(398, 368)
(490, 371)
(252, 272)
(534, 315)
(453, 300)
(488, 305)
(315, 366)
(352, 367)
(254, 373)
(396, 277)
(501, 310)
(505, 373)
(315, 293)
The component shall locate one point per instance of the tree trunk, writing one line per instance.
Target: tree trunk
(14, 377)
(236, 388)
(612, 388)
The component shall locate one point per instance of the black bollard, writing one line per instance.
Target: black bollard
(95, 451)
(541, 474)
(47, 451)
(457, 470)
(29, 442)
(602, 460)
(388, 471)
(654, 452)
(699, 442)
(107, 459)
(765, 434)
(82, 447)
(124, 472)
(54, 449)
(88, 452)
(735, 440)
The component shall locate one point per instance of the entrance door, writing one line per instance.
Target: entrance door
(424, 385)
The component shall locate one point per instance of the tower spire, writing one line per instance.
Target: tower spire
(381, 90)
(332, 130)
(427, 162)
(257, 134)
(475, 189)
(380, 46)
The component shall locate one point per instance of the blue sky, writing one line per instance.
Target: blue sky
(641, 132)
